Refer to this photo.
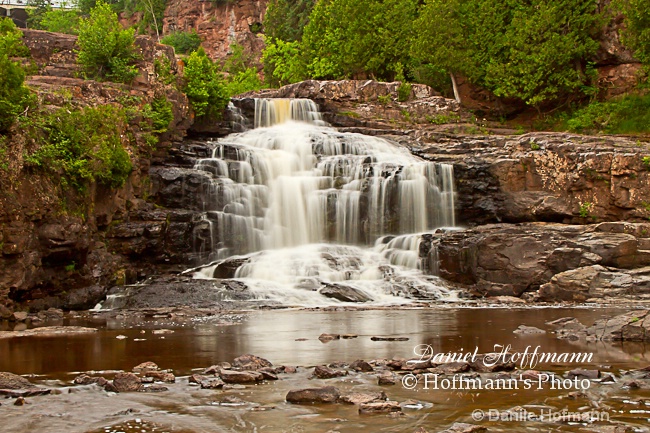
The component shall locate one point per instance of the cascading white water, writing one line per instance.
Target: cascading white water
(310, 205)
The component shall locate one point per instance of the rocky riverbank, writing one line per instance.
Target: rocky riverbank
(409, 394)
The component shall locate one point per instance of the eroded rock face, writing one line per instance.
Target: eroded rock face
(552, 177)
(219, 24)
(568, 262)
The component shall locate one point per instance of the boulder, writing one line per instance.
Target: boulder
(126, 382)
(240, 377)
(379, 407)
(328, 394)
(13, 381)
(362, 398)
(344, 293)
(251, 362)
(323, 372)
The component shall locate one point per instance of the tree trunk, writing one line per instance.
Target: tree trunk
(455, 87)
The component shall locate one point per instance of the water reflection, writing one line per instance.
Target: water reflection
(273, 334)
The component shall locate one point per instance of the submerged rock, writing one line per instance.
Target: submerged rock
(523, 329)
(633, 326)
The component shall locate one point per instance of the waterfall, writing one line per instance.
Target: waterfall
(311, 205)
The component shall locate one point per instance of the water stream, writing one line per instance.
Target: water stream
(302, 206)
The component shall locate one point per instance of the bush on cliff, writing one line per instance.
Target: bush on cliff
(106, 50)
(626, 115)
(14, 96)
(204, 85)
(636, 33)
(81, 146)
(183, 42)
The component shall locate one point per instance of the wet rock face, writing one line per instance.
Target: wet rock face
(568, 262)
(551, 177)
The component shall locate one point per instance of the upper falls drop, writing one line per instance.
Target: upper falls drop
(311, 206)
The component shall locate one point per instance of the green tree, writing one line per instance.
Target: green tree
(204, 85)
(286, 19)
(283, 62)
(14, 96)
(348, 38)
(532, 50)
(106, 50)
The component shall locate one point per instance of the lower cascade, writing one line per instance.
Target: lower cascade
(303, 214)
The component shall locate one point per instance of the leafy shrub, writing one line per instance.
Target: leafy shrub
(183, 42)
(404, 92)
(636, 33)
(243, 82)
(160, 113)
(163, 69)
(106, 50)
(283, 63)
(82, 146)
(204, 85)
(14, 96)
(629, 114)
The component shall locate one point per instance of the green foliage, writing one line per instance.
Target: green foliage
(348, 38)
(4, 158)
(204, 85)
(14, 96)
(441, 119)
(286, 19)
(404, 92)
(70, 267)
(43, 17)
(283, 63)
(163, 69)
(534, 51)
(646, 162)
(629, 114)
(81, 146)
(243, 82)
(61, 21)
(384, 99)
(534, 146)
(183, 42)
(636, 33)
(159, 113)
(242, 76)
(105, 49)
(585, 209)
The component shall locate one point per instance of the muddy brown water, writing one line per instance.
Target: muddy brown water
(278, 335)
